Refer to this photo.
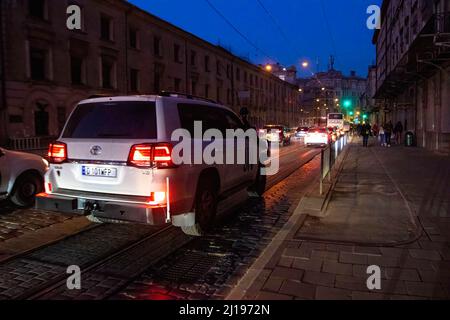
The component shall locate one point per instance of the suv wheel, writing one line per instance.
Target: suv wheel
(25, 189)
(205, 208)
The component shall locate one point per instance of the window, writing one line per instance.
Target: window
(218, 67)
(193, 58)
(157, 82)
(76, 70)
(157, 46)
(194, 87)
(61, 118)
(134, 80)
(211, 118)
(107, 73)
(38, 64)
(245, 76)
(207, 64)
(177, 84)
(133, 38)
(176, 53)
(106, 32)
(206, 90)
(218, 91)
(120, 120)
(36, 9)
(238, 74)
(228, 71)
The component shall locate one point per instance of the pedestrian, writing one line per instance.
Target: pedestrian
(381, 136)
(388, 128)
(398, 130)
(365, 132)
(375, 129)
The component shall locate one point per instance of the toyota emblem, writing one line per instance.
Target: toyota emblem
(96, 150)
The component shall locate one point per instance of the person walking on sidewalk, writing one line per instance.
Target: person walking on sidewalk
(365, 132)
(398, 131)
(381, 136)
(388, 128)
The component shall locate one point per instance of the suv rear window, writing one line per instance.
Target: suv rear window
(113, 120)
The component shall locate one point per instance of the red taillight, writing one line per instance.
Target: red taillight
(162, 155)
(146, 155)
(57, 152)
(140, 155)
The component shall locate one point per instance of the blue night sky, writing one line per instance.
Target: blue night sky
(304, 33)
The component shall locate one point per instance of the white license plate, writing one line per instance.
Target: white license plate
(99, 171)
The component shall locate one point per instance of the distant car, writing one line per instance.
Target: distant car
(21, 176)
(278, 133)
(301, 132)
(317, 137)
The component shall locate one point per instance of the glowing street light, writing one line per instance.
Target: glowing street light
(268, 67)
(305, 64)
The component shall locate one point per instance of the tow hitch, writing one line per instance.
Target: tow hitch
(89, 207)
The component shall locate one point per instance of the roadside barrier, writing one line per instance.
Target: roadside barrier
(328, 158)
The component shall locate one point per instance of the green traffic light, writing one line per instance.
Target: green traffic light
(351, 113)
(365, 116)
(347, 103)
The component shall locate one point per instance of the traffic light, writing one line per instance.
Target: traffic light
(347, 103)
(364, 116)
(351, 113)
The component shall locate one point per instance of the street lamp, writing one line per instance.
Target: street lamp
(268, 67)
(305, 64)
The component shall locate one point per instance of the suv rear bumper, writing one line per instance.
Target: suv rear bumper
(113, 210)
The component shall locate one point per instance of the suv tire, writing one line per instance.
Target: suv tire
(26, 187)
(205, 208)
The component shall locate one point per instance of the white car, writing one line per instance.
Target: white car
(317, 137)
(113, 163)
(21, 176)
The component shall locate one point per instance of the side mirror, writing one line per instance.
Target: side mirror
(2, 153)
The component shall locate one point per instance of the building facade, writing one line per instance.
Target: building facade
(46, 69)
(413, 69)
(328, 92)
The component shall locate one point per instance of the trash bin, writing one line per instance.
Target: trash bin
(409, 139)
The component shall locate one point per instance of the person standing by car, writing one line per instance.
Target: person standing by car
(365, 132)
(388, 128)
(398, 130)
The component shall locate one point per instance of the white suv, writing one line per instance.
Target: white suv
(113, 162)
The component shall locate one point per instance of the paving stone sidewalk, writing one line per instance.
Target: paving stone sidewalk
(419, 269)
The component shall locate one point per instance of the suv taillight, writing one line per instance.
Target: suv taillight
(57, 152)
(140, 155)
(146, 155)
(162, 155)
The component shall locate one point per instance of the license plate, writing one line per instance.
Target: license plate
(99, 171)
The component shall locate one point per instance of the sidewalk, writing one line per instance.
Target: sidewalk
(389, 207)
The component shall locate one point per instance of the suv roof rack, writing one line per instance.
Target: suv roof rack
(185, 95)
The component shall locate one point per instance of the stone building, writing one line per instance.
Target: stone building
(413, 69)
(45, 68)
(327, 92)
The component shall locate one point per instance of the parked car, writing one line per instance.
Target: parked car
(114, 163)
(317, 137)
(301, 132)
(279, 133)
(21, 176)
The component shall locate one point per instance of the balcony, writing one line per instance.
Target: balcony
(428, 52)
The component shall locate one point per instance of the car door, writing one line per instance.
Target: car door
(239, 173)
